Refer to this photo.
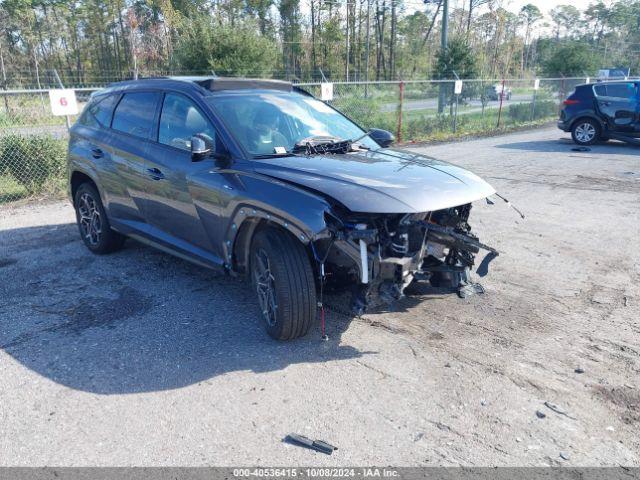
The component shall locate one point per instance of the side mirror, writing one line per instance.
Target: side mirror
(200, 149)
(382, 137)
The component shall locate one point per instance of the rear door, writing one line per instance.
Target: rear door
(132, 128)
(90, 141)
(617, 102)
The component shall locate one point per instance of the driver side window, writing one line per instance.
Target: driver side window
(180, 120)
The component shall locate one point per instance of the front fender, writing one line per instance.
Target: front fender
(252, 199)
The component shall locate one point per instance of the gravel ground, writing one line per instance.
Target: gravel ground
(139, 358)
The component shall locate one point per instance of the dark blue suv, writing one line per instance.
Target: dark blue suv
(260, 179)
(600, 111)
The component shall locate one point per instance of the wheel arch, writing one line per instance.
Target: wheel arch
(267, 201)
(239, 245)
(588, 116)
(76, 179)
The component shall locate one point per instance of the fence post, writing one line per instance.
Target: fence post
(500, 107)
(455, 113)
(561, 94)
(401, 99)
(533, 105)
(67, 119)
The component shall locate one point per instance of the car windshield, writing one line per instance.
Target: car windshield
(272, 123)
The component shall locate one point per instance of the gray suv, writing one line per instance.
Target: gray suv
(260, 179)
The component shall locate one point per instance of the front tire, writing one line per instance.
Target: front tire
(585, 132)
(282, 276)
(93, 223)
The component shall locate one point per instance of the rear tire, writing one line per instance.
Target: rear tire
(94, 226)
(282, 276)
(585, 131)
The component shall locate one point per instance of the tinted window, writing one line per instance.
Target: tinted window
(98, 111)
(621, 90)
(180, 120)
(135, 114)
(601, 90)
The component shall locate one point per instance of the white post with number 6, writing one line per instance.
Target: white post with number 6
(326, 91)
(63, 103)
(457, 90)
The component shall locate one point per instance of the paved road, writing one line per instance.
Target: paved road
(138, 358)
(431, 103)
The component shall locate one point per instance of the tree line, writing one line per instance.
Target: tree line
(90, 41)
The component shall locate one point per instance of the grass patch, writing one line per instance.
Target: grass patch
(31, 166)
(10, 190)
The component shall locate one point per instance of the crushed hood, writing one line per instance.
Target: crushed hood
(381, 181)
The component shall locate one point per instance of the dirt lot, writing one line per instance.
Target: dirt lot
(139, 358)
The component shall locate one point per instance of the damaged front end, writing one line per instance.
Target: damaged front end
(378, 256)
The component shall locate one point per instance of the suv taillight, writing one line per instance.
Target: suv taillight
(570, 101)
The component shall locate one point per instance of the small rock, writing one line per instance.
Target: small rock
(540, 414)
(518, 439)
(483, 402)
(579, 370)
(564, 456)
(611, 429)
(447, 365)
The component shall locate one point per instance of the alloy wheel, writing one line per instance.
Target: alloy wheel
(585, 132)
(265, 286)
(90, 221)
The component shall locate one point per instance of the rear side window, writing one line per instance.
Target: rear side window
(621, 90)
(98, 112)
(135, 114)
(626, 91)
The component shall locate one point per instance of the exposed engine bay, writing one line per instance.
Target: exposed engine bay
(378, 256)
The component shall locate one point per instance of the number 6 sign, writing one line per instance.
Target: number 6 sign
(63, 102)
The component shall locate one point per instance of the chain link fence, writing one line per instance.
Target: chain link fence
(33, 141)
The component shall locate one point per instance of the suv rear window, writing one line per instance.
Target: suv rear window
(601, 90)
(135, 114)
(98, 112)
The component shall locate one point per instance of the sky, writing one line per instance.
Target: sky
(512, 5)
(516, 5)
(544, 5)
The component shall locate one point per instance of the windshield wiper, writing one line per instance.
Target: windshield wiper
(273, 155)
(324, 145)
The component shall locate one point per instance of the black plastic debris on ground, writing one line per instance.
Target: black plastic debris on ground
(317, 445)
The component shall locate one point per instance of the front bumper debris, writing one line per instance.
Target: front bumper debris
(379, 256)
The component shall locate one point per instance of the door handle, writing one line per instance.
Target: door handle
(605, 104)
(156, 173)
(97, 153)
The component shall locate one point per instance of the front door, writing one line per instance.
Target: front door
(173, 176)
(618, 103)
